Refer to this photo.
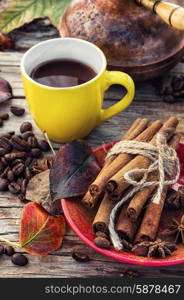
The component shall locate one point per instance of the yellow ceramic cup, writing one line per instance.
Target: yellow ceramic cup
(72, 112)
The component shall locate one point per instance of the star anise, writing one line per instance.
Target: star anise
(175, 199)
(157, 248)
(175, 229)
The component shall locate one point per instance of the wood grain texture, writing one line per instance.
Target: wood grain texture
(61, 264)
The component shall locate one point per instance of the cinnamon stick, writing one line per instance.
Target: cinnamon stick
(150, 223)
(125, 228)
(97, 187)
(138, 201)
(151, 220)
(101, 219)
(90, 198)
(117, 183)
(121, 160)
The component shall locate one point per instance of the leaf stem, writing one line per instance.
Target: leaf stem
(9, 242)
(49, 142)
(36, 234)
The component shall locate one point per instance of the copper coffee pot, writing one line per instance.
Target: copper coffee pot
(132, 33)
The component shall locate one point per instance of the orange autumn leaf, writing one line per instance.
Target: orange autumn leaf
(40, 233)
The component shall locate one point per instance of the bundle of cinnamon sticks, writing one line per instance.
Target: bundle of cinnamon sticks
(138, 219)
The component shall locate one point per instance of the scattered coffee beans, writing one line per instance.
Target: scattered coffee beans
(3, 184)
(36, 152)
(19, 259)
(20, 159)
(4, 116)
(17, 111)
(16, 258)
(79, 255)
(43, 145)
(9, 250)
(170, 88)
(26, 126)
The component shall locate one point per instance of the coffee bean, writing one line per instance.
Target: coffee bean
(19, 144)
(19, 180)
(23, 186)
(11, 132)
(22, 198)
(36, 152)
(1, 250)
(3, 184)
(4, 116)
(5, 172)
(102, 243)
(79, 255)
(28, 161)
(179, 94)
(167, 90)
(9, 250)
(177, 83)
(1, 123)
(17, 111)
(3, 151)
(18, 169)
(32, 141)
(169, 99)
(27, 173)
(43, 145)
(4, 161)
(19, 259)
(26, 126)
(6, 135)
(1, 166)
(27, 134)
(10, 175)
(14, 155)
(17, 161)
(14, 188)
(5, 143)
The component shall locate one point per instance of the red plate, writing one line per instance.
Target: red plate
(80, 220)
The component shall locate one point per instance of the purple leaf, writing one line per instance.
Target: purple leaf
(73, 170)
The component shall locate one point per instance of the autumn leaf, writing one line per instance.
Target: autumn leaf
(73, 170)
(40, 233)
(38, 190)
(19, 12)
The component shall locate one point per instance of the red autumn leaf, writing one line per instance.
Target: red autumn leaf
(40, 233)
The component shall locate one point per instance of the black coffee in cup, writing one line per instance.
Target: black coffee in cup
(62, 73)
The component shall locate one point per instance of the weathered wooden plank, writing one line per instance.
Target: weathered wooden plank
(59, 266)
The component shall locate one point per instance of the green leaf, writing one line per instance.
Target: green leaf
(19, 12)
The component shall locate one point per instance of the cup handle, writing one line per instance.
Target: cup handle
(115, 77)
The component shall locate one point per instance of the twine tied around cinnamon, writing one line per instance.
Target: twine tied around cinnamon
(163, 159)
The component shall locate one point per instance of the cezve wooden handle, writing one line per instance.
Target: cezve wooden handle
(171, 13)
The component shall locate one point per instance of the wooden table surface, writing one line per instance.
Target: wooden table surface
(60, 263)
